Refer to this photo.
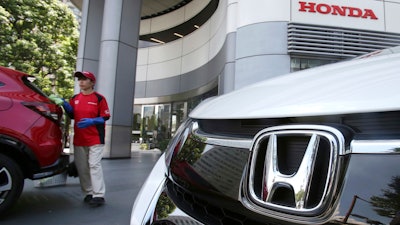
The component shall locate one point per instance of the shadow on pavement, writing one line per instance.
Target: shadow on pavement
(63, 204)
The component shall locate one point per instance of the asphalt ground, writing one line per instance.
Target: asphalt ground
(61, 203)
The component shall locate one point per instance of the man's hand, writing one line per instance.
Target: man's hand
(86, 122)
(61, 102)
(54, 98)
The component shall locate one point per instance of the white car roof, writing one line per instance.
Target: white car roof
(367, 84)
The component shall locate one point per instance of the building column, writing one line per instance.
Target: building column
(90, 36)
(261, 41)
(116, 40)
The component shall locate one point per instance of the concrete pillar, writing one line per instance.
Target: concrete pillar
(90, 36)
(117, 71)
(112, 29)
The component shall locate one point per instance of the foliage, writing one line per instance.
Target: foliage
(389, 204)
(40, 37)
(164, 206)
(163, 144)
(192, 149)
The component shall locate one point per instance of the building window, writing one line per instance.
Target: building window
(154, 125)
(297, 64)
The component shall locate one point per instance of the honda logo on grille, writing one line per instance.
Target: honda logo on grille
(293, 169)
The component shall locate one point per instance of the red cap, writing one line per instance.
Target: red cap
(86, 74)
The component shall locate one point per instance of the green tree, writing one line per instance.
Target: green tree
(40, 37)
(164, 206)
(389, 203)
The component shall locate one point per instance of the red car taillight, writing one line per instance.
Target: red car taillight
(44, 110)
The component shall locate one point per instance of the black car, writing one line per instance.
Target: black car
(319, 146)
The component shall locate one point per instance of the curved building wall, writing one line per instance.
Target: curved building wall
(261, 52)
(188, 66)
(261, 46)
(172, 19)
(245, 42)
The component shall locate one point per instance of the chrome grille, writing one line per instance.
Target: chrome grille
(207, 212)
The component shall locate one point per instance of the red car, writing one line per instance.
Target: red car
(30, 135)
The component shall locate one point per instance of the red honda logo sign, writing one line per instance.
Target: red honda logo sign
(337, 10)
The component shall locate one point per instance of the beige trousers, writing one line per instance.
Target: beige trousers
(88, 163)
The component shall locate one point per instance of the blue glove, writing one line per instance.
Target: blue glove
(86, 122)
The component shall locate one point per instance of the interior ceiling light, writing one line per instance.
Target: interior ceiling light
(156, 40)
(178, 35)
(185, 28)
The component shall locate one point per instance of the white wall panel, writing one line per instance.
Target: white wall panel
(231, 18)
(141, 73)
(142, 58)
(195, 59)
(164, 70)
(392, 16)
(258, 68)
(196, 39)
(168, 20)
(144, 27)
(255, 11)
(194, 7)
(165, 52)
(217, 41)
(217, 20)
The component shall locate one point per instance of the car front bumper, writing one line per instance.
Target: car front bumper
(153, 206)
(204, 179)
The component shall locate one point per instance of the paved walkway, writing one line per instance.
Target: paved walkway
(63, 204)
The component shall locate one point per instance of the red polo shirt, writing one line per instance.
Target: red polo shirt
(89, 106)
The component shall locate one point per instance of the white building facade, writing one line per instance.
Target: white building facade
(241, 42)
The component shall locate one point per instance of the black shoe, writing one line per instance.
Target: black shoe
(97, 201)
(88, 198)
